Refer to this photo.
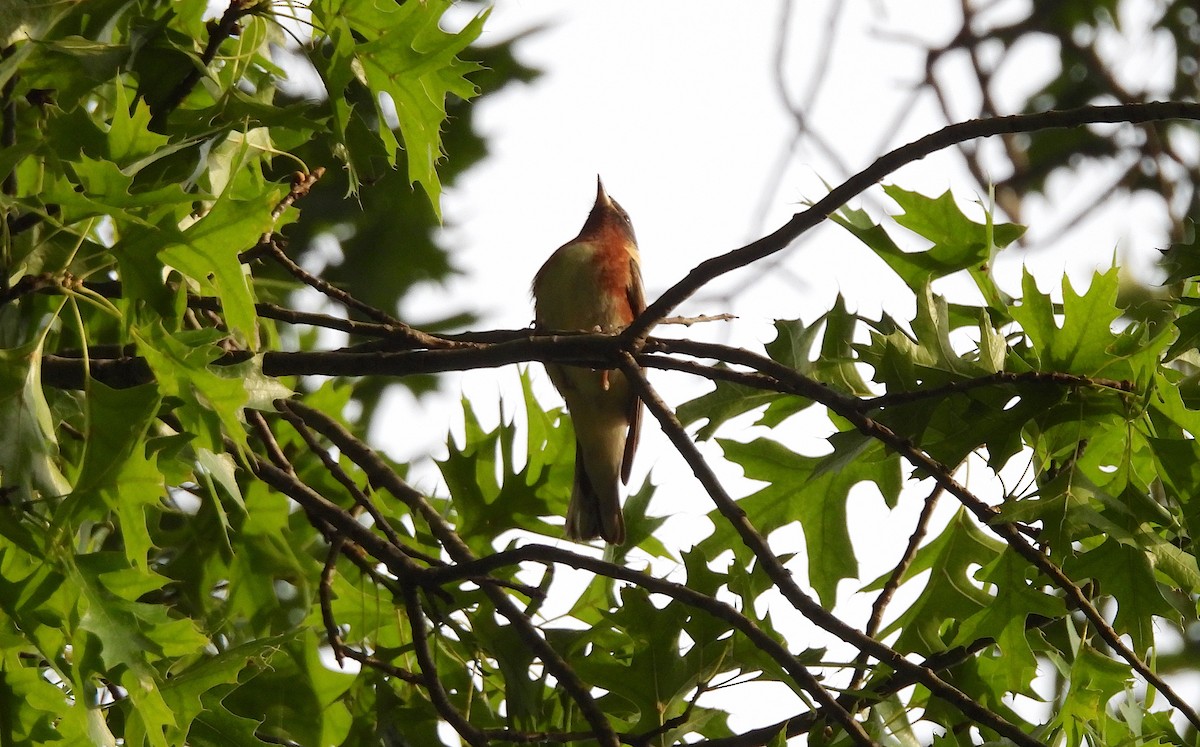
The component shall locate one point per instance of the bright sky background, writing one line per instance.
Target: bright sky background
(677, 106)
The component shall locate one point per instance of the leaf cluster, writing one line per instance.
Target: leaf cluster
(153, 591)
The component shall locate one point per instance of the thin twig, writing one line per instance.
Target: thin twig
(339, 474)
(387, 668)
(649, 738)
(893, 582)
(302, 183)
(325, 595)
(217, 33)
(399, 564)
(679, 592)
(688, 321)
(337, 294)
(1052, 378)
(851, 409)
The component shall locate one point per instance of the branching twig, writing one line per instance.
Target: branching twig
(1011, 533)
(688, 321)
(414, 336)
(714, 607)
(339, 474)
(301, 185)
(389, 669)
(340, 520)
(805, 722)
(295, 417)
(786, 584)
(625, 350)
(382, 476)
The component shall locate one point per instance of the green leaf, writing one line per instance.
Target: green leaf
(210, 250)
(647, 683)
(813, 491)
(640, 526)
(550, 442)
(1181, 259)
(950, 596)
(216, 726)
(958, 242)
(488, 505)
(117, 420)
(213, 399)
(129, 136)
(726, 401)
(104, 190)
(297, 697)
(408, 57)
(28, 447)
(1004, 620)
(32, 706)
(1189, 335)
(1093, 681)
(72, 65)
(902, 362)
(195, 694)
(835, 364)
(1125, 573)
(528, 701)
(1082, 345)
(130, 635)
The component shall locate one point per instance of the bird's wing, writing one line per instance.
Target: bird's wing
(637, 304)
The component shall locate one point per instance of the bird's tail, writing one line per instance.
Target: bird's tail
(594, 511)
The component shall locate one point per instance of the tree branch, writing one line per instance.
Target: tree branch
(713, 268)
(433, 683)
(1051, 378)
(852, 411)
(714, 607)
(893, 582)
(382, 476)
(783, 580)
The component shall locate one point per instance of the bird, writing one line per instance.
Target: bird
(593, 283)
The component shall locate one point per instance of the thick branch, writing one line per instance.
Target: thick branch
(1051, 378)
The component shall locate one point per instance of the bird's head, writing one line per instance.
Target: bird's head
(607, 216)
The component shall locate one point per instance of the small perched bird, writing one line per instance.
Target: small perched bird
(593, 283)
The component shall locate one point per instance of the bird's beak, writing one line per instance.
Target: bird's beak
(602, 197)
